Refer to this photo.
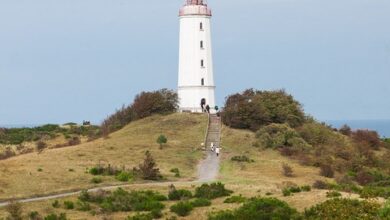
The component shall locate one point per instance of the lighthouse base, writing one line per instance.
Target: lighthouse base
(190, 98)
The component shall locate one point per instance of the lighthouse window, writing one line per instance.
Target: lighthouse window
(202, 63)
(201, 44)
(202, 82)
(201, 26)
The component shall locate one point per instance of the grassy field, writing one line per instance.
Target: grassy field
(64, 169)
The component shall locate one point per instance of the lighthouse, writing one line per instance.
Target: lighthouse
(196, 79)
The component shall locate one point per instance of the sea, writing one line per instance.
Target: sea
(381, 126)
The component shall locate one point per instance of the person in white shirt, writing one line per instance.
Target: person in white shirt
(217, 151)
(212, 146)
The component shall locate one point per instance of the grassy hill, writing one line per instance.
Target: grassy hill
(65, 169)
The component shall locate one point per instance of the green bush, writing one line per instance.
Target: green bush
(259, 208)
(83, 206)
(124, 176)
(242, 158)
(182, 208)
(333, 194)
(179, 194)
(96, 180)
(161, 140)
(253, 109)
(212, 191)
(62, 216)
(340, 209)
(306, 188)
(200, 202)
(56, 204)
(372, 192)
(236, 199)
(69, 205)
(141, 216)
(156, 213)
(385, 211)
(176, 171)
(34, 215)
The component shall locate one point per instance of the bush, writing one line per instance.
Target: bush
(14, 210)
(176, 171)
(287, 170)
(180, 194)
(161, 140)
(385, 211)
(259, 208)
(236, 199)
(69, 205)
(242, 158)
(306, 188)
(212, 191)
(148, 169)
(96, 180)
(254, 109)
(319, 184)
(364, 178)
(156, 213)
(200, 202)
(74, 141)
(34, 215)
(326, 171)
(366, 137)
(56, 204)
(40, 145)
(345, 130)
(105, 170)
(83, 206)
(182, 208)
(343, 209)
(124, 176)
(7, 153)
(333, 194)
(62, 216)
(141, 216)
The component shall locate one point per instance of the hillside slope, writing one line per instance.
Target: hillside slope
(64, 169)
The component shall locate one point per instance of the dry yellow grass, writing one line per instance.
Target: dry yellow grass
(19, 176)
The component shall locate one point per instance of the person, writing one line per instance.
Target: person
(217, 151)
(208, 109)
(212, 146)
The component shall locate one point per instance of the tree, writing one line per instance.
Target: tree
(148, 169)
(161, 140)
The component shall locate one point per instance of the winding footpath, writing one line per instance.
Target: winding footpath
(207, 169)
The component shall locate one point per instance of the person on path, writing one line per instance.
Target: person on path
(208, 109)
(212, 146)
(217, 151)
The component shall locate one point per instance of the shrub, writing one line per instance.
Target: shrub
(179, 194)
(148, 169)
(34, 215)
(156, 213)
(141, 216)
(254, 109)
(56, 204)
(62, 216)
(200, 202)
(14, 210)
(370, 138)
(236, 199)
(306, 188)
(182, 208)
(343, 209)
(69, 205)
(287, 170)
(242, 158)
(40, 145)
(286, 192)
(96, 180)
(212, 191)
(161, 140)
(319, 184)
(364, 178)
(105, 170)
(259, 208)
(345, 130)
(326, 171)
(95, 197)
(74, 141)
(83, 206)
(124, 176)
(333, 194)
(176, 171)
(7, 153)
(373, 192)
(385, 211)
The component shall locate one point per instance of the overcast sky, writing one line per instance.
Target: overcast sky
(74, 60)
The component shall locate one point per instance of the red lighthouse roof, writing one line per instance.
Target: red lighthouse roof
(195, 7)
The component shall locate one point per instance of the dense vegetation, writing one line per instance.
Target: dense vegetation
(253, 109)
(145, 104)
(352, 157)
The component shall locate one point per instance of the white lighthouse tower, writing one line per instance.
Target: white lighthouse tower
(196, 79)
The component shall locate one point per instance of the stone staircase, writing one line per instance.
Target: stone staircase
(214, 132)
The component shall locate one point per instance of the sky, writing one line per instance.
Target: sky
(74, 60)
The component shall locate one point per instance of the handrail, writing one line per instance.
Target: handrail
(207, 132)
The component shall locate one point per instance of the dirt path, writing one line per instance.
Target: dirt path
(209, 168)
